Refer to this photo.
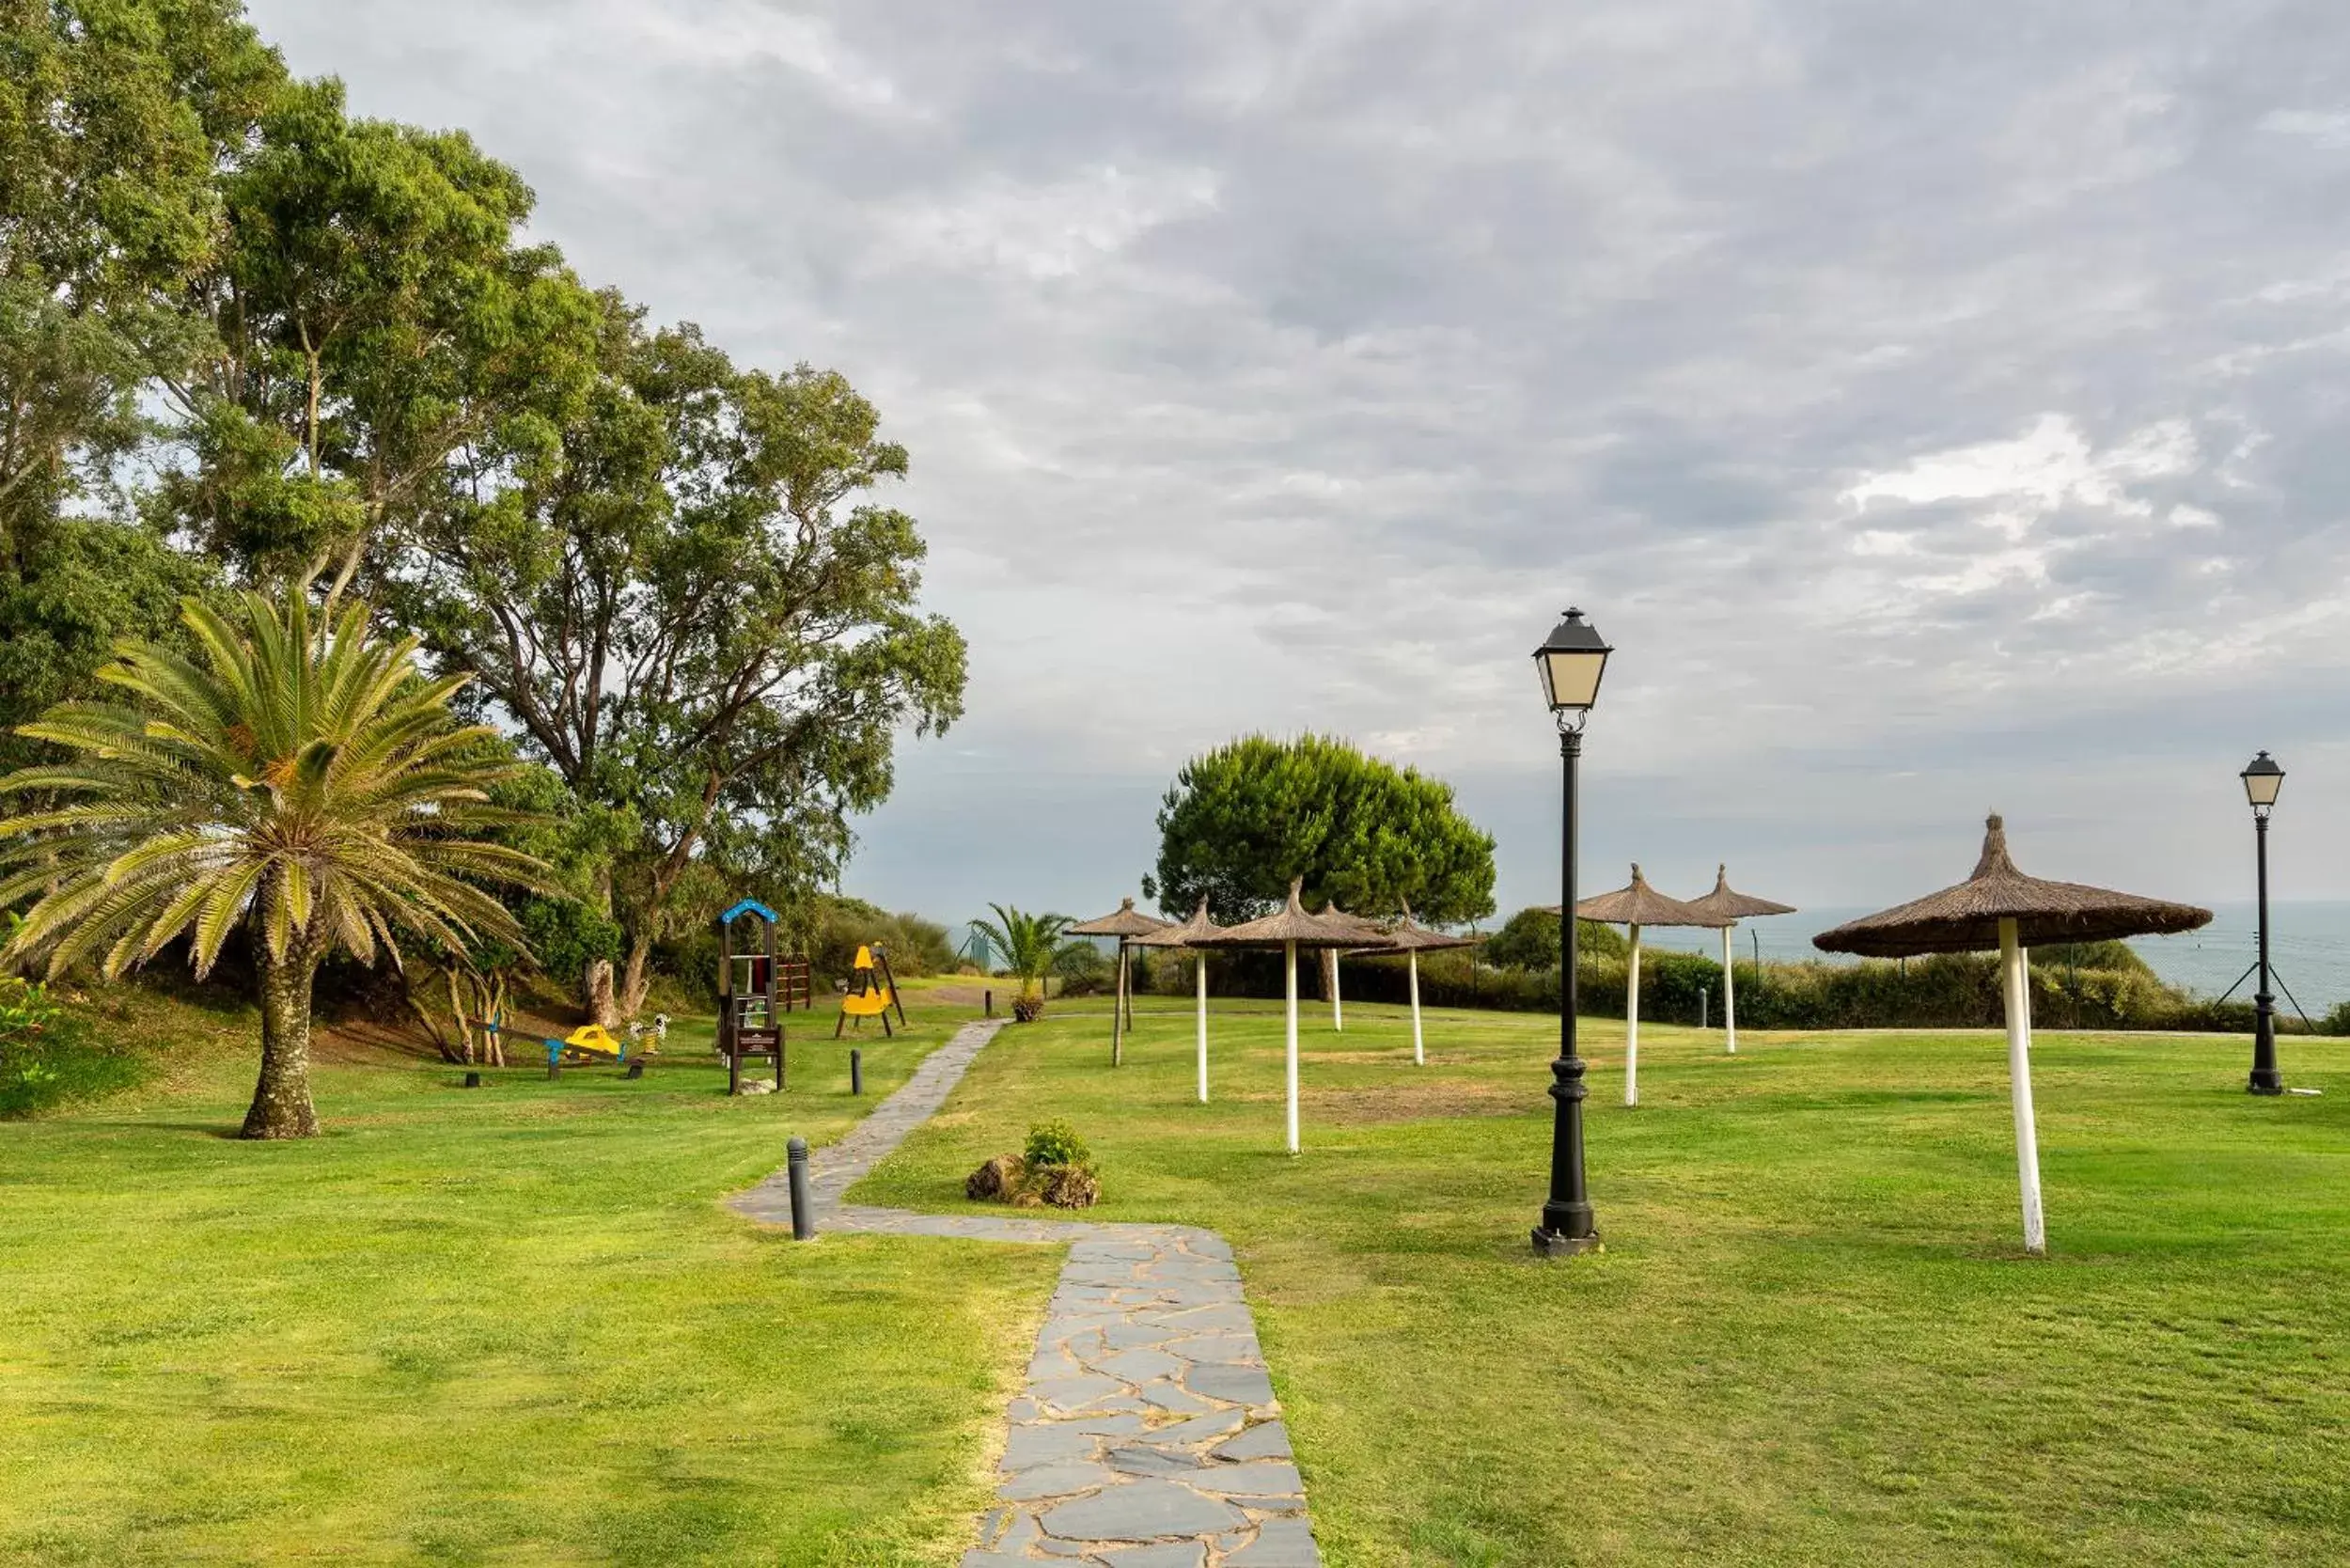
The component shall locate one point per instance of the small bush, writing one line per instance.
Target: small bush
(1027, 1009)
(1057, 1171)
(49, 1056)
(1529, 940)
(1056, 1143)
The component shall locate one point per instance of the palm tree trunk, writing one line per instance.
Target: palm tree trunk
(281, 1101)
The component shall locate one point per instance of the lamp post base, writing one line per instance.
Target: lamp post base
(1558, 1244)
(2269, 1082)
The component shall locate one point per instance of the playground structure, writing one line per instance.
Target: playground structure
(872, 992)
(588, 1045)
(752, 997)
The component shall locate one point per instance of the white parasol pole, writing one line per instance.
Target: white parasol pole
(1632, 1023)
(1289, 966)
(1337, 1010)
(1118, 1010)
(1730, 997)
(1200, 963)
(2015, 981)
(1420, 1058)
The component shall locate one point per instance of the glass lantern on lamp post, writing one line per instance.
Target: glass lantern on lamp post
(1571, 662)
(2261, 779)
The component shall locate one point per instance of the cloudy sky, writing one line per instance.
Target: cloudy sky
(1940, 407)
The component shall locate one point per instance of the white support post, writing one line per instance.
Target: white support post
(1118, 1010)
(1289, 968)
(1632, 1023)
(1411, 961)
(1199, 963)
(2016, 981)
(1730, 995)
(1338, 1008)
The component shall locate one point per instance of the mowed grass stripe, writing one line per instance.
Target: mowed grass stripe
(509, 1325)
(1814, 1337)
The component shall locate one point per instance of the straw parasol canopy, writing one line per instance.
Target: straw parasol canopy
(1734, 906)
(1966, 919)
(1730, 905)
(1125, 922)
(1374, 939)
(1289, 929)
(2001, 907)
(1192, 933)
(1405, 934)
(1639, 904)
(1287, 924)
(1409, 937)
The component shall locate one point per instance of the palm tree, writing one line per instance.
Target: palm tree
(1031, 944)
(301, 780)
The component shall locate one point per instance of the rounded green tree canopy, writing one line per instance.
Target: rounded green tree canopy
(1245, 819)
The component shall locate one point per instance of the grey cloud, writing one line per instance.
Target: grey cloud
(1337, 346)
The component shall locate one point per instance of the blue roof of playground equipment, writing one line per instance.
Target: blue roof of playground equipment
(748, 906)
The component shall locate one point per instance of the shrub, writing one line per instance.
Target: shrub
(49, 1055)
(1027, 1009)
(1529, 940)
(1056, 1142)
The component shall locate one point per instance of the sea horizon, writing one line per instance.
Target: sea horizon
(2309, 948)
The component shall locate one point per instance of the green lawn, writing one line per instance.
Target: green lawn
(508, 1326)
(1812, 1337)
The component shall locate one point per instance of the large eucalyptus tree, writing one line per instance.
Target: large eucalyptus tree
(692, 614)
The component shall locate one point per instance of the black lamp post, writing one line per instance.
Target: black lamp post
(2261, 779)
(1570, 660)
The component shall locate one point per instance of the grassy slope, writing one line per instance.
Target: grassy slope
(509, 1325)
(1812, 1337)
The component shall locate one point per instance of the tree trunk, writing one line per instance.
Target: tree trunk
(638, 978)
(281, 1101)
(598, 1000)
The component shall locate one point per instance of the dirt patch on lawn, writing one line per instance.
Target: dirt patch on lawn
(1418, 1101)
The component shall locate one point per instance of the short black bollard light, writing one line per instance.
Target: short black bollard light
(636, 1070)
(990, 1004)
(803, 1210)
(473, 1080)
(856, 1071)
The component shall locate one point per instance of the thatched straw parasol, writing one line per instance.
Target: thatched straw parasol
(1639, 905)
(1733, 906)
(1289, 929)
(2001, 907)
(1192, 933)
(1125, 923)
(1374, 939)
(1412, 939)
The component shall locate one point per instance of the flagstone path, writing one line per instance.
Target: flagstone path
(1147, 1436)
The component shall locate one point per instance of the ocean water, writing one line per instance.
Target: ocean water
(2309, 948)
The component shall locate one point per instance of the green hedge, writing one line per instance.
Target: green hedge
(1945, 990)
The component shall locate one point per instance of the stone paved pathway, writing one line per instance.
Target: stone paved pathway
(1147, 1436)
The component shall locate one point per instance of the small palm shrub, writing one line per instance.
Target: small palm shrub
(1033, 946)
